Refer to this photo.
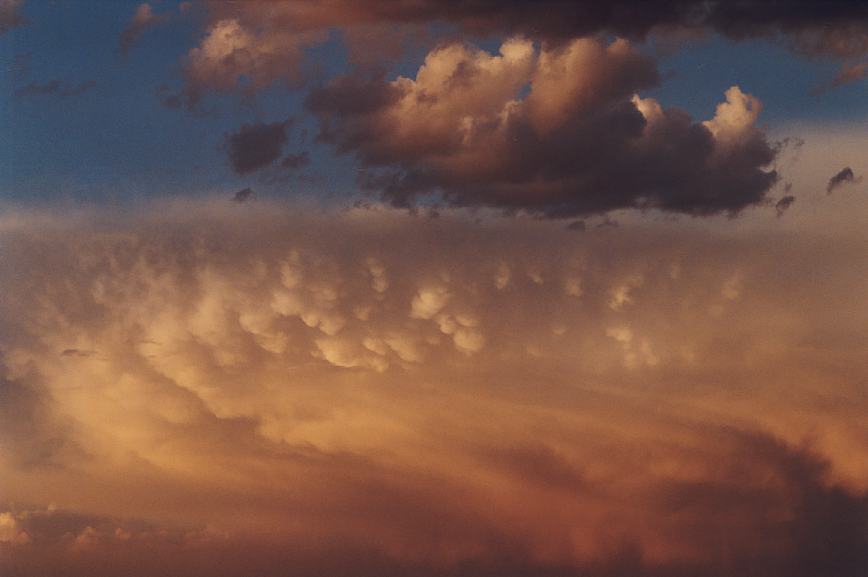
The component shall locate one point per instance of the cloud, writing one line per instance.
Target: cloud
(143, 19)
(56, 88)
(232, 57)
(295, 161)
(783, 204)
(841, 178)
(558, 132)
(249, 46)
(256, 146)
(284, 389)
(243, 195)
(10, 15)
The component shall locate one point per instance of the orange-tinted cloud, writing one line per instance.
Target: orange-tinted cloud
(261, 389)
(557, 132)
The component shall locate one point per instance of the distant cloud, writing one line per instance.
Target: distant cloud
(243, 195)
(142, 20)
(10, 14)
(783, 204)
(57, 88)
(848, 74)
(256, 146)
(844, 176)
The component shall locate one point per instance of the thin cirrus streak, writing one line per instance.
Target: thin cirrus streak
(257, 389)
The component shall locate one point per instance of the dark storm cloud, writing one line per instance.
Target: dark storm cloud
(844, 176)
(142, 20)
(781, 517)
(57, 88)
(769, 502)
(10, 15)
(810, 26)
(249, 46)
(256, 146)
(578, 143)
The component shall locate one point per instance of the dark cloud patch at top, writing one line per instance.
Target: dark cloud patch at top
(844, 176)
(835, 28)
(256, 146)
(10, 15)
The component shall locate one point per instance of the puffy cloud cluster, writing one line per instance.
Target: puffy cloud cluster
(226, 389)
(554, 131)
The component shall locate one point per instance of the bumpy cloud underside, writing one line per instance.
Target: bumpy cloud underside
(558, 132)
(245, 389)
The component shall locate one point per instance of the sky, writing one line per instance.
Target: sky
(433, 288)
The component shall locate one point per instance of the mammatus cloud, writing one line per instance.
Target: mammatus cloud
(57, 88)
(841, 178)
(554, 131)
(257, 389)
(142, 20)
(10, 14)
(256, 146)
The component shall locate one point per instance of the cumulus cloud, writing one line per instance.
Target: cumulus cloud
(554, 131)
(256, 146)
(269, 388)
(143, 19)
(843, 177)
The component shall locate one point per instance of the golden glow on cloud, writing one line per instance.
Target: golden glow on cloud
(438, 392)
